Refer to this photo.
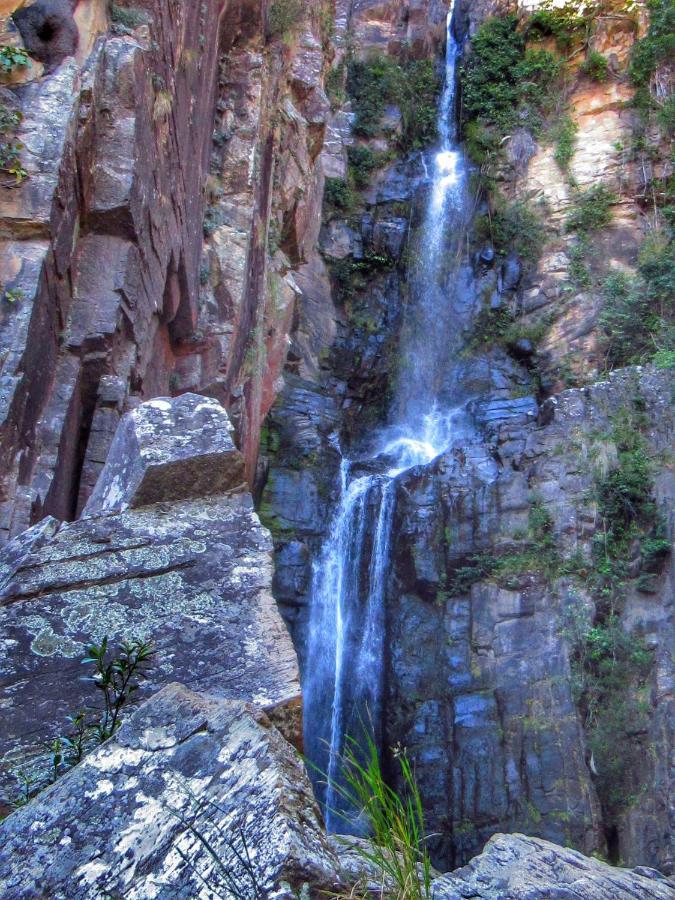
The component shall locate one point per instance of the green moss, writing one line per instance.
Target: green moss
(129, 17)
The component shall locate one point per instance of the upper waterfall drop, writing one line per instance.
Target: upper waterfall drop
(343, 680)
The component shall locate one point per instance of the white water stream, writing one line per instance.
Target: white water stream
(343, 679)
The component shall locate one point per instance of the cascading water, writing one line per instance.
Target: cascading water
(343, 681)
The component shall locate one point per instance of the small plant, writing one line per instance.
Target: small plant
(511, 227)
(116, 678)
(283, 17)
(563, 133)
(338, 198)
(12, 58)
(596, 67)
(13, 295)
(128, 17)
(10, 148)
(592, 209)
(396, 821)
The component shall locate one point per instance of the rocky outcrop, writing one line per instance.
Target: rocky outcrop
(195, 792)
(192, 791)
(192, 576)
(515, 867)
(165, 451)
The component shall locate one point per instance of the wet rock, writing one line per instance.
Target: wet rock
(487, 256)
(167, 450)
(133, 817)
(511, 272)
(49, 30)
(516, 867)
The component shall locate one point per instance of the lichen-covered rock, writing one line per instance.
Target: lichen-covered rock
(166, 450)
(516, 867)
(193, 577)
(134, 817)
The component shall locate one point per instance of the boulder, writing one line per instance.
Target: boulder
(166, 450)
(134, 818)
(516, 867)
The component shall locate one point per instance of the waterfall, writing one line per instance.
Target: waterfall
(343, 679)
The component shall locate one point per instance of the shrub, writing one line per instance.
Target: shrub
(362, 162)
(592, 209)
(283, 16)
(128, 17)
(513, 227)
(657, 47)
(412, 87)
(338, 197)
(596, 66)
(564, 23)
(10, 148)
(563, 134)
(12, 58)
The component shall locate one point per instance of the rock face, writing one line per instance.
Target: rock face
(192, 576)
(515, 867)
(482, 679)
(134, 817)
(103, 242)
(168, 450)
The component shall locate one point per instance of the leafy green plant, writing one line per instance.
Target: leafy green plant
(515, 226)
(413, 87)
(563, 134)
(595, 66)
(338, 198)
(12, 58)
(128, 17)
(592, 209)
(10, 148)
(13, 295)
(396, 821)
(117, 678)
(283, 16)
(564, 23)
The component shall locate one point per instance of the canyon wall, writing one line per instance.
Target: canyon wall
(192, 220)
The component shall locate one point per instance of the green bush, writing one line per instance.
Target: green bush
(638, 316)
(12, 58)
(338, 197)
(362, 163)
(564, 23)
(283, 16)
(515, 227)
(657, 47)
(413, 88)
(563, 134)
(596, 67)
(10, 148)
(592, 209)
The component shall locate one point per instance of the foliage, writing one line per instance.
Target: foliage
(638, 316)
(563, 134)
(116, 678)
(413, 87)
(513, 227)
(283, 16)
(596, 67)
(563, 23)
(592, 209)
(129, 17)
(351, 275)
(335, 85)
(338, 197)
(503, 83)
(396, 821)
(10, 119)
(363, 162)
(12, 58)
(657, 47)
